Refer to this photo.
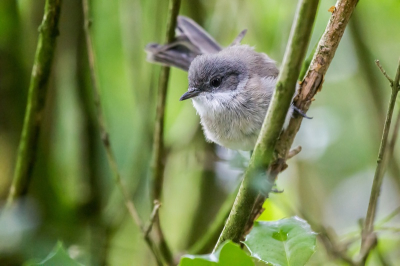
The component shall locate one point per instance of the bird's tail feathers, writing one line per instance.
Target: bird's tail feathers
(191, 41)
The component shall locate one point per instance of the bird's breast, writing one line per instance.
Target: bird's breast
(230, 122)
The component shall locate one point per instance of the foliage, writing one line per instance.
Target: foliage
(228, 254)
(285, 242)
(57, 257)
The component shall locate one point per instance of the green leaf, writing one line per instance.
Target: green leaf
(285, 242)
(57, 257)
(230, 254)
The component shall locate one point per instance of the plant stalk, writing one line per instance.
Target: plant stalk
(28, 145)
(382, 162)
(280, 103)
(158, 139)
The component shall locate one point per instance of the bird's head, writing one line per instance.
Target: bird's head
(210, 74)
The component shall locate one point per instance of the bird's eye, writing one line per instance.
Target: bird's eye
(215, 82)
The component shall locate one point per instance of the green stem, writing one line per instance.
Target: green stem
(371, 78)
(311, 84)
(106, 140)
(48, 32)
(158, 140)
(382, 162)
(273, 123)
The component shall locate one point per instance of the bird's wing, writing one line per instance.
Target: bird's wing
(191, 41)
(198, 36)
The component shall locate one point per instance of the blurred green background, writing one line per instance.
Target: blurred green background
(72, 196)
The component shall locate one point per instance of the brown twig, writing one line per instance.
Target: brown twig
(105, 136)
(158, 140)
(382, 162)
(293, 152)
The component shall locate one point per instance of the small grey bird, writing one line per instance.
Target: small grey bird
(231, 88)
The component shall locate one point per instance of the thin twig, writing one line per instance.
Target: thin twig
(273, 123)
(48, 32)
(371, 78)
(158, 140)
(383, 159)
(293, 152)
(153, 216)
(389, 217)
(393, 139)
(384, 72)
(105, 136)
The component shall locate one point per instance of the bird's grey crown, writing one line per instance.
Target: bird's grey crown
(240, 61)
(206, 67)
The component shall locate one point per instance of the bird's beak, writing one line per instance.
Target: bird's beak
(192, 92)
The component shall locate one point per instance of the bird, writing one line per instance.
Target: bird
(231, 88)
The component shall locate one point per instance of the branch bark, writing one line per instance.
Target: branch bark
(158, 139)
(48, 32)
(263, 154)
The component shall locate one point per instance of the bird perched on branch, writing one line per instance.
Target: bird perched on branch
(231, 88)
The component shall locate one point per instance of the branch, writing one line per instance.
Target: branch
(153, 217)
(382, 162)
(106, 140)
(378, 63)
(312, 83)
(371, 79)
(48, 32)
(393, 139)
(273, 123)
(158, 140)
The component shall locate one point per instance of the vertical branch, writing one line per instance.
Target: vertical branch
(393, 139)
(105, 137)
(98, 227)
(100, 118)
(48, 32)
(382, 161)
(158, 140)
(273, 123)
(370, 75)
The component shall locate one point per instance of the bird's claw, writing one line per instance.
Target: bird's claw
(300, 112)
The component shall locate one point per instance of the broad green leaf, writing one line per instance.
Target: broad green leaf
(229, 254)
(56, 258)
(287, 242)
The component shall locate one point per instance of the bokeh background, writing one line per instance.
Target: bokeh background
(72, 196)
